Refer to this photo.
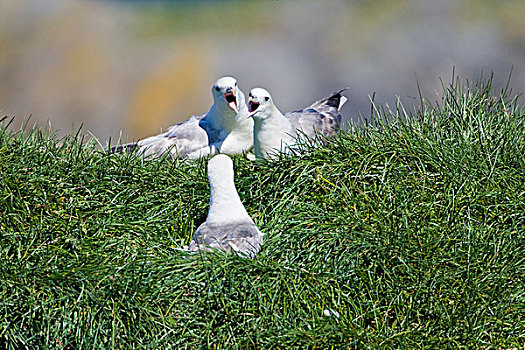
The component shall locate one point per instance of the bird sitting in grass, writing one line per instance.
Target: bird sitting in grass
(225, 129)
(274, 132)
(228, 226)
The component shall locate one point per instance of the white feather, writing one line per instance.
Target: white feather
(224, 128)
(275, 132)
(228, 226)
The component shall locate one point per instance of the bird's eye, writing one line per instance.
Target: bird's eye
(235, 83)
(217, 88)
(266, 98)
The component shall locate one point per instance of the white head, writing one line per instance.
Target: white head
(225, 91)
(220, 168)
(260, 103)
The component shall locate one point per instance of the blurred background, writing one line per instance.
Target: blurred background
(133, 68)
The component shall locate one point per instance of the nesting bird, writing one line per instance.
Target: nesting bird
(228, 226)
(274, 132)
(225, 128)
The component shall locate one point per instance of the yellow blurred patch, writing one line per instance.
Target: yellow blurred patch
(171, 93)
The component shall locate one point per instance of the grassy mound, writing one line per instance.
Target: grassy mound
(407, 232)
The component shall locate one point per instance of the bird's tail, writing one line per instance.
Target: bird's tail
(128, 147)
(331, 104)
(335, 100)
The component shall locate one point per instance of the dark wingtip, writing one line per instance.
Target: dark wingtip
(333, 101)
(128, 147)
(335, 98)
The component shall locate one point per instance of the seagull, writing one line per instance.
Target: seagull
(225, 129)
(228, 226)
(274, 131)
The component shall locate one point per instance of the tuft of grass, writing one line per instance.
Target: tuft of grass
(405, 232)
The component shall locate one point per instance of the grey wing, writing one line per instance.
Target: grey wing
(310, 122)
(330, 105)
(244, 238)
(322, 116)
(184, 140)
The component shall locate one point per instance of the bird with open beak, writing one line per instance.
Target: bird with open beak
(274, 132)
(225, 129)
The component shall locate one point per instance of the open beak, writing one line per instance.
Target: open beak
(252, 107)
(231, 98)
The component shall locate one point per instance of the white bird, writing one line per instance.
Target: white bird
(228, 226)
(225, 128)
(274, 132)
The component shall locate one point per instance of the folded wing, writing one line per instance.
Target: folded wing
(184, 140)
(322, 116)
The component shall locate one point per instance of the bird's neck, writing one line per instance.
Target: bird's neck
(225, 204)
(223, 117)
(270, 134)
(277, 119)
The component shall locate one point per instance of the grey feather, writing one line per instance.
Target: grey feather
(241, 237)
(127, 147)
(224, 128)
(275, 132)
(184, 140)
(322, 116)
(228, 227)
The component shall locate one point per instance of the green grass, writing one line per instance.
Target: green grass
(411, 227)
